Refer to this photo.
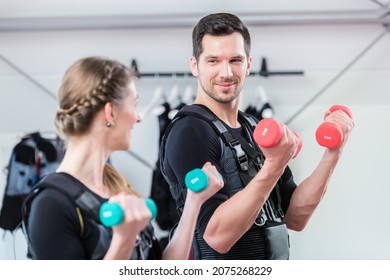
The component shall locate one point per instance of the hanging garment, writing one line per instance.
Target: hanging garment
(31, 159)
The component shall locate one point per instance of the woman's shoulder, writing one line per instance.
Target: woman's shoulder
(50, 200)
(50, 195)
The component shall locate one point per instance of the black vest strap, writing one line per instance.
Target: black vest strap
(76, 192)
(69, 187)
(248, 156)
(72, 189)
(146, 246)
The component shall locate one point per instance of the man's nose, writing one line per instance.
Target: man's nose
(226, 70)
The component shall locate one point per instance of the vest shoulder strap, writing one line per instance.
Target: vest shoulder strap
(240, 146)
(204, 113)
(195, 111)
(77, 192)
(72, 189)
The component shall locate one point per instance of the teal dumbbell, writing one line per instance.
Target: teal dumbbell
(196, 180)
(111, 213)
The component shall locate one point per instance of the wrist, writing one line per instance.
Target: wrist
(332, 155)
(272, 169)
(193, 200)
(121, 248)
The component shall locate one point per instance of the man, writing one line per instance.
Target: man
(249, 217)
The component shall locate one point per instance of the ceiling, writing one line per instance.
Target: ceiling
(24, 15)
(44, 67)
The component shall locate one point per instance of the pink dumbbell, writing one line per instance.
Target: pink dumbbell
(268, 133)
(329, 134)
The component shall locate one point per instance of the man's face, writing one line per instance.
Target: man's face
(222, 66)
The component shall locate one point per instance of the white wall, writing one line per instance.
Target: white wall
(351, 222)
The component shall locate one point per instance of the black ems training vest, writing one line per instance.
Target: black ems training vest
(240, 161)
(87, 207)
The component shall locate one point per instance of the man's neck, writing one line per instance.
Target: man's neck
(227, 112)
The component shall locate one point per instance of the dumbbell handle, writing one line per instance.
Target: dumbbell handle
(111, 213)
(196, 180)
(342, 108)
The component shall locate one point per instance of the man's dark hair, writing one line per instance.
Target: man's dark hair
(219, 24)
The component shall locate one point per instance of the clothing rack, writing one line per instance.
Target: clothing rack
(264, 72)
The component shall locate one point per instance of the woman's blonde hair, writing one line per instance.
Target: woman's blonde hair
(116, 182)
(86, 87)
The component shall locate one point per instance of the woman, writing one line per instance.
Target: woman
(96, 115)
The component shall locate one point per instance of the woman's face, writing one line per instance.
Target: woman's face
(127, 117)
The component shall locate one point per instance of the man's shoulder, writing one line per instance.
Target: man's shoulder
(191, 123)
(193, 116)
(198, 111)
(251, 118)
(191, 126)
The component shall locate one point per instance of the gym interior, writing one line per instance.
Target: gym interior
(307, 56)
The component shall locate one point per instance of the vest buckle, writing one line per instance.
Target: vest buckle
(240, 154)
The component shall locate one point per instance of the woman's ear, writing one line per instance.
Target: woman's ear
(109, 113)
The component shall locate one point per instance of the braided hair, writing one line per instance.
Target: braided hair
(86, 87)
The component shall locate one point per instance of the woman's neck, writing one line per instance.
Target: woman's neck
(85, 160)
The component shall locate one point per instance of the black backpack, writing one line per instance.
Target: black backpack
(31, 159)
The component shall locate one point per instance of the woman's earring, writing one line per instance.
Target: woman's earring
(108, 124)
